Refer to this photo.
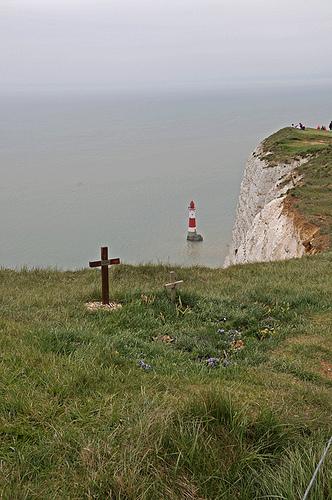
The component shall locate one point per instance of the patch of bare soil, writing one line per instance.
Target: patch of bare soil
(310, 234)
(326, 369)
(316, 142)
(167, 339)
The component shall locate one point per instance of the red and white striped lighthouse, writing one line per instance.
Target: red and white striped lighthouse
(192, 229)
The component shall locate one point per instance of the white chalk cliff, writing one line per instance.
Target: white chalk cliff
(263, 229)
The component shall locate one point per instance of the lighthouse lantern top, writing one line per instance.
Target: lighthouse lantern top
(192, 205)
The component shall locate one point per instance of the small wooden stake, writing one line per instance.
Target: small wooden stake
(104, 262)
(172, 285)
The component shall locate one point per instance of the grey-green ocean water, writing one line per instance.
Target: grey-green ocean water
(80, 171)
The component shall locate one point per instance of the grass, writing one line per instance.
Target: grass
(290, 143)
(79, 418)
(312, 197)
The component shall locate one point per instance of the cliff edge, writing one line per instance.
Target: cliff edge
(285, 202)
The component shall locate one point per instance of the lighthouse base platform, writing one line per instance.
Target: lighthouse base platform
(194, 237)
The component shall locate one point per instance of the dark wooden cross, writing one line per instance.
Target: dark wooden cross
(104, 262)
(172, 285)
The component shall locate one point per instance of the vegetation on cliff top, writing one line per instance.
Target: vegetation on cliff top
(312, 197)
(80, 418)
(290, 143)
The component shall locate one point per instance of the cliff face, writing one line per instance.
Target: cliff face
(263, 229)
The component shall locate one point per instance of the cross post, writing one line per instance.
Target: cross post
(172, 285)
(104, 262)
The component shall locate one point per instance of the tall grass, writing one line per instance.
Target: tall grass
(79, 418)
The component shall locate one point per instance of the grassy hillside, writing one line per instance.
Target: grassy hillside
(80, 418)
(313, 196)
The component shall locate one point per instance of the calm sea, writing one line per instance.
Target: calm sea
(81, 171)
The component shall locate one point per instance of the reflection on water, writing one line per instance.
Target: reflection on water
(194, 252)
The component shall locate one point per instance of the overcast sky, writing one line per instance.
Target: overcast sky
(138, 44)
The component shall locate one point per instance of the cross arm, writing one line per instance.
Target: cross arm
(108, 262)
(173, 284)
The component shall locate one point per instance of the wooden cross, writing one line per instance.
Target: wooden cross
(104, 262)
(172, 285)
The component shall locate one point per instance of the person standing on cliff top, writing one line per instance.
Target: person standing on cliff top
(330, 126)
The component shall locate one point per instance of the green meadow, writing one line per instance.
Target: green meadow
(233, 400)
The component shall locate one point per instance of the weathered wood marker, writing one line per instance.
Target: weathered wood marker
(104, 262)
(172, 285)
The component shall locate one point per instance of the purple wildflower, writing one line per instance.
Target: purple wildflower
(212, 362)
(144, 365)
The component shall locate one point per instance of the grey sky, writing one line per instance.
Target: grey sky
(134, 44)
